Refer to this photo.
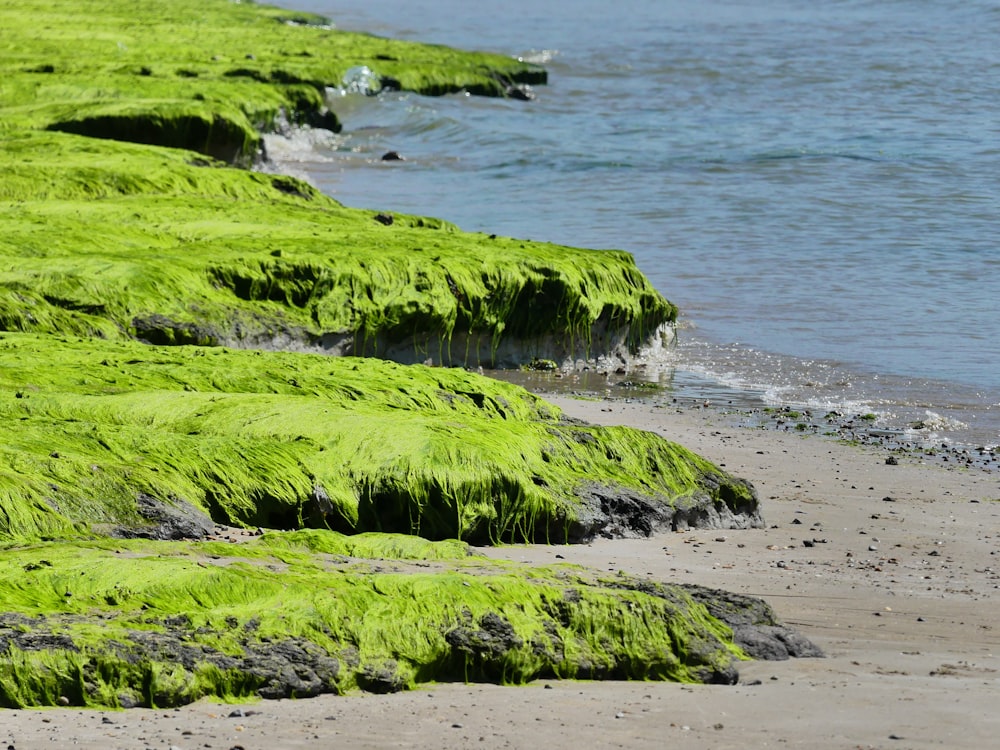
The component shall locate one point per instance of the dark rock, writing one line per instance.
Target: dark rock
(494, 637)
(385, 219)
(162, 331)
(756, 629)
(292, 186)
(521, 92)
(392, 156)
(327, 120)
(174, 520)
(617, 512)
(382, 679)
(36, 641)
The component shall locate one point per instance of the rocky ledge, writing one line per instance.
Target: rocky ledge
(298, 614)
(137, 246)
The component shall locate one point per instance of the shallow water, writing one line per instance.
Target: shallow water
(814, 184)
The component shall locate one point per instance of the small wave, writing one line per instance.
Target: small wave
(361, 80)
(934, 422)
(300, 145)
(538, 57)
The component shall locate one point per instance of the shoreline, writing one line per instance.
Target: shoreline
(897, 585)
(748, 409)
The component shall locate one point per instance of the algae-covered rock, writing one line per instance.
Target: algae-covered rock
(120, 220)
(105, 238)
(130, 623)
(118, 240)
(127, 439)
(207, 75)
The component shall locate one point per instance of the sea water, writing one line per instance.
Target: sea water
(816, 185)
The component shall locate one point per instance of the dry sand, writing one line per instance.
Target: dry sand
(899, 587)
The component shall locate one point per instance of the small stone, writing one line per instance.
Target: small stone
(619, 715)
(892, 461)
(392, 156)
(456, 725)
(62, 700)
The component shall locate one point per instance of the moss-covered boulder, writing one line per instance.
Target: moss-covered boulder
(99, 237)
(118, 240)
(132, 623)
(126, 439)
(124, 464)
(207, 75)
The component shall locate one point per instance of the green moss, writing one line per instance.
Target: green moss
(118, 240)
(206, 74)
(285, 441)
(102, 238)
(120, 221)
(113, 623)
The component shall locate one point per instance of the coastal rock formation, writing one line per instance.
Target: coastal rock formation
(209, 76)
(244, 259)
(138, 623)
(136, 244)
(128, 439)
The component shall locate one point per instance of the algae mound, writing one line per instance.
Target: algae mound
(127, 439)
(130, 623)
(207, 75)
(114, 239)
(125, 241)
(122, 221)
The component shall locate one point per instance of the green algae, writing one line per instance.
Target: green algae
(139, 623)
(177, 250)
(287, 441)
(118, 240)
(118, 223)
(206, 74)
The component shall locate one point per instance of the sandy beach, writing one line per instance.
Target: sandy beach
(890, 568)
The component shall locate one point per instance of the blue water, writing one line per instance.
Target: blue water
(817, 185)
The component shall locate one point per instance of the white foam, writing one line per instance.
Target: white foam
(934, 422)
(538, 57)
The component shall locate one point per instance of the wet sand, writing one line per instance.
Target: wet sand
(890, 568)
